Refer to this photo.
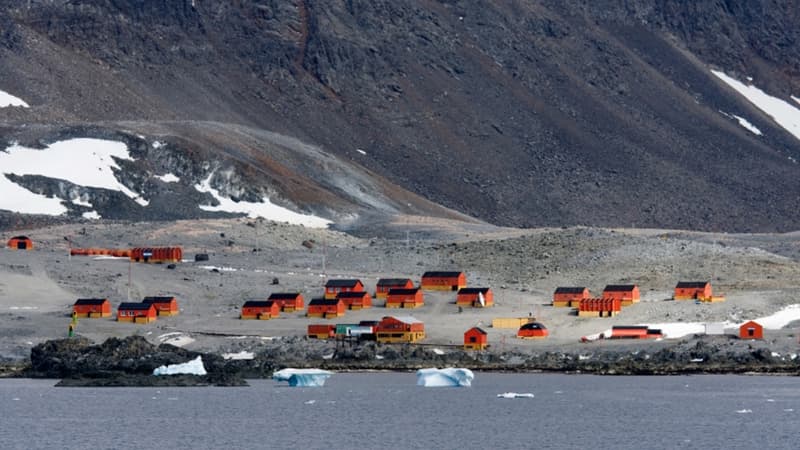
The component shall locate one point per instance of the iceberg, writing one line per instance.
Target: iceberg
(302, 377)
(193, 367)
(449, 377)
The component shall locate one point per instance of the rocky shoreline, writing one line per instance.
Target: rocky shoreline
(130, 361)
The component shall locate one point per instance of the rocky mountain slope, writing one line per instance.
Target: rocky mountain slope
(520, 113)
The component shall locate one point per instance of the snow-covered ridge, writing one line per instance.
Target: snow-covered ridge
(782, 112)
(7, 100)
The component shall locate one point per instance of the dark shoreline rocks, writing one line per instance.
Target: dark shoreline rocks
(130, 361)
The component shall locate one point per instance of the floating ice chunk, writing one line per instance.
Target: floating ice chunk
(449, 377)
(515, 395)
(302, 377)
(744, 411)
(193, 367)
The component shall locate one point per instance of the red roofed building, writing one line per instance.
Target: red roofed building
(751, 330)
(325, 308)
(628, 294)
(165, 305)
(692, 290)
(532, 330)
(599, 307)
(569, 296)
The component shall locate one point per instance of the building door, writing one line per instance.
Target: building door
(21, 245)
(751, 332)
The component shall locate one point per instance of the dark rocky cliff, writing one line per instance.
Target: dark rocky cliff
(522, 113)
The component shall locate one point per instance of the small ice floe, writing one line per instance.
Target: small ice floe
(172, 398)
(193, 367)
(515, 395)
(310, 402)
(770, 400)
(744, 411)
(16, 399)
(788, 410)
(448, 377)
(302, 377)
(237, 356)
(558, 392)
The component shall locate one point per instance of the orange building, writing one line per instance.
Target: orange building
(316, 331)
(399, 329)
(325, 308)
(288, 301)
(165, 305)
(92, 308)
(628, 294)
(333, 287)
(443, 281)
(156, 254)
(136, 313)
(405, 298)
(692, 290)
(634, 332)
(20, 243)
(355, 300)
(599, 307)
(751, 330)
(384, 284)
(472, 297)
(260, 310)
(475, 339)
(569, 296)
(532, 330)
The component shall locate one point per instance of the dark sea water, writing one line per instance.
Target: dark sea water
(388, 411)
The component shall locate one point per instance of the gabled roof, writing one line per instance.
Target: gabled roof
(393, 281)
(404, 319)
(569, 290)
(403, 291)
(135, 306)
(478, 329)
(692, 284)
(474, 290)
(284, 295)
(21, 238)
(158, 299)
(619, 287)
(323, 302)
(91, 301)
(258, 304)
(342, 283)
(436, 274)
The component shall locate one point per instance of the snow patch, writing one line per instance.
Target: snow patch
(266, 209)
(168, 178)
(747, 125)
(238, 356)
(91, 215)
(81, 161)
(782, 112)
(361, 151)
(448, 377)
(302, 377)
(193, 367)
(7, 99)
(177, 338)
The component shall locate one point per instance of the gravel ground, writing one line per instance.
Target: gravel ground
(759, 275)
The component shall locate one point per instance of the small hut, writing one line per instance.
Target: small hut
(260, 310)
(480, 297)
(92, 308)
(628, 294)
(443, 281)
(20, 243)
(405, 298)
(325, 308)
(475, 339)
(288, 301)
(692, 290)
(165, 305)
(355, 300)
(333, 287)
(569, 296)
(751, 330)
(317, 331)
(384, 284)
(136, 312)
